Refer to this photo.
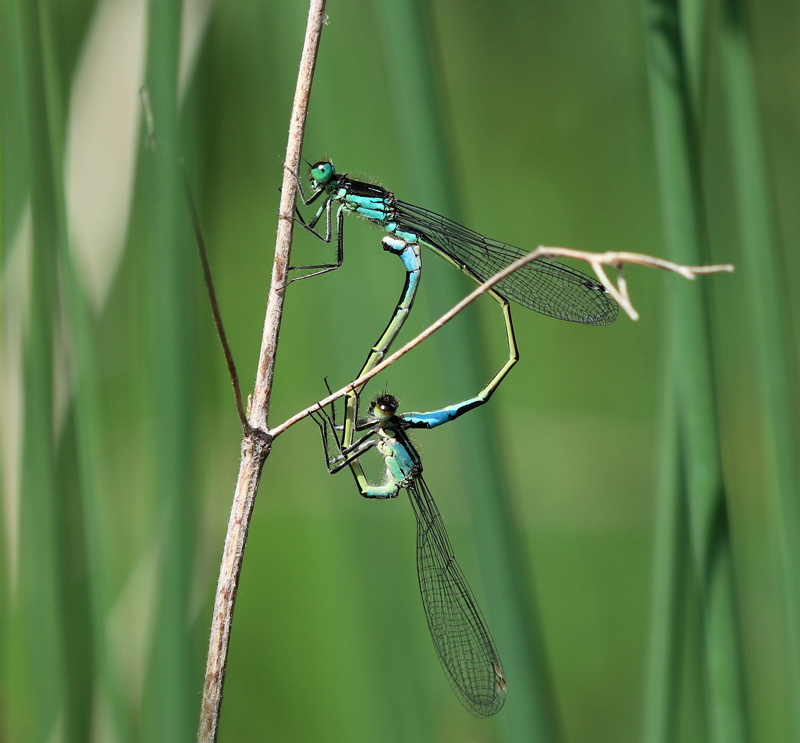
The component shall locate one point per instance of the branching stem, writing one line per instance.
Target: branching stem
(596, 260)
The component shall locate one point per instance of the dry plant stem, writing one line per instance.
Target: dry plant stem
(596, 260)
(256, 443)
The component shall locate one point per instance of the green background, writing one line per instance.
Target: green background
(543, 123)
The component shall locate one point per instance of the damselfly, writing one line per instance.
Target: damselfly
(545, 286)
(460, 635)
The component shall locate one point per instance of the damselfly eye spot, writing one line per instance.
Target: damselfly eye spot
(596, 287)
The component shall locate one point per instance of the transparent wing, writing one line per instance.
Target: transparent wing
(459, 633)
(545, 286)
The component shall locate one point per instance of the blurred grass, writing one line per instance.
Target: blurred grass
(40, 626)
(694, 489)
(170, 703)
(548, 134)
(774, 330)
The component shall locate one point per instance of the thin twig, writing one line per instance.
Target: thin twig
(596, 260)
(212, 298)
(256, 444)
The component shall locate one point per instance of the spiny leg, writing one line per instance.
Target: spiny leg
(330, 442)
(323, 267)
(350, 456)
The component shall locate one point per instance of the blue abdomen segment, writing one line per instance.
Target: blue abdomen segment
(409, 257)
(445, 415)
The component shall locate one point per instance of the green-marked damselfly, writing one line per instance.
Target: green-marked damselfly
(545, 286)
(460, 635)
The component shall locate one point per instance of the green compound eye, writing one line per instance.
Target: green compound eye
(322, 172)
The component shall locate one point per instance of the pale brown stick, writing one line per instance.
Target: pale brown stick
(256, 444)
(596, 260)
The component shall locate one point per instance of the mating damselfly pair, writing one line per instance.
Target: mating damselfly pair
(462, 640)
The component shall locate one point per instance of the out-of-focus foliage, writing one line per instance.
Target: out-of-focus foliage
(109, 559)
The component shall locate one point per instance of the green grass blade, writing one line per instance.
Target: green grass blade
(171, 699)
(669, 588)
(697, 460)
(40, 610)
(769, 309)
(17, 718)
(83, 627)
(86, 431)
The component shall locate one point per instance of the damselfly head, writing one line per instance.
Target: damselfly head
(384, 407)
(321, 174)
